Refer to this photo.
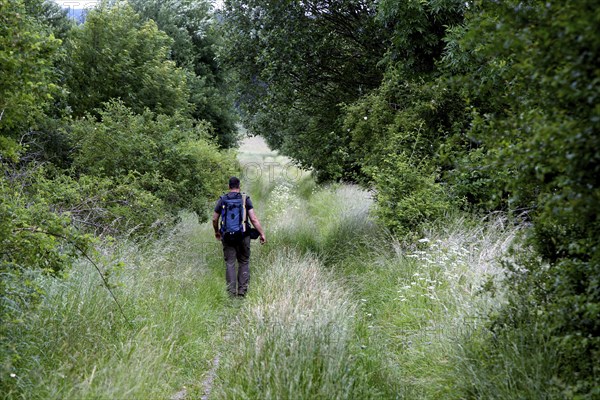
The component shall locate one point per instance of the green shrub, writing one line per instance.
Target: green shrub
(528, 69)
(34, 233)
(173, 158)
(407, 197)
(107, 206)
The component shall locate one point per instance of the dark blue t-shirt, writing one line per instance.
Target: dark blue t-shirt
(232, 196)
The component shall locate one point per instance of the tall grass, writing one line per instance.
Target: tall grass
(420, 302)
(420, 312)
(337, 309)
(76, 345)
(293, 337)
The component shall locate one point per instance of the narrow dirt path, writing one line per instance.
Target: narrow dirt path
(207, 384)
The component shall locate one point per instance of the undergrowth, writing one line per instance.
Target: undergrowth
(338, 308)
(77, 345)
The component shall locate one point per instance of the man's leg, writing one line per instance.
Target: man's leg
(243, 258)
(230, 257)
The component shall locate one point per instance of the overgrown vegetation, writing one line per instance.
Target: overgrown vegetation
(76, 344)
(479, 106)
(102, 137)
(447, 112)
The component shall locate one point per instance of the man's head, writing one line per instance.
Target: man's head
(234, 183)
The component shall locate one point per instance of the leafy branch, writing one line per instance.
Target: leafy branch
(87, 257)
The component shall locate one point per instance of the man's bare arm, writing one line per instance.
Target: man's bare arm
(256, 224)
(215, 221)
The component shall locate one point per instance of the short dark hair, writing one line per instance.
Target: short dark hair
(234, 183)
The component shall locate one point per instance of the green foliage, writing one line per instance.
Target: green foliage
(116, 206)
(527, 68)
(49, 13)
(418, 129)
(27, 77)
(169, 156)
(419, 28)
(115, 54)
(295, 63)
(190, 24)
(33, 234)
(408, 197)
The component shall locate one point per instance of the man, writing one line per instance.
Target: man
(239, 248)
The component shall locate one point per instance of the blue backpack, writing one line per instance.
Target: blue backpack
(233, 218)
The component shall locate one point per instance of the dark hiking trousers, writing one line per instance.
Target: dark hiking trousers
(240, 252)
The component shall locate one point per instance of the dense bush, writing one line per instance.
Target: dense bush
(408, 134)
(407, 196)
(171, 157)
(528, 66)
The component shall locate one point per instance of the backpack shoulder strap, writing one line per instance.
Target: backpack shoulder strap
(244, 212)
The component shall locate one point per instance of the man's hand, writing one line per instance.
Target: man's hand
(256, 224)
(218, 235)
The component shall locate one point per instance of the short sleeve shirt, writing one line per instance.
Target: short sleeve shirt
(233, 195)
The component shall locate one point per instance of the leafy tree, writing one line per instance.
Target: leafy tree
(27, 77)
(190, 24)
(114, 54)
(296, 63)
(419, 29)
(50, 14)
(529, 68)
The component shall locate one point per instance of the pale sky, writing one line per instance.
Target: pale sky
(90, 3)
(77, 3)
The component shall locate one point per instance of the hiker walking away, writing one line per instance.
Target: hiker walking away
(234, 209)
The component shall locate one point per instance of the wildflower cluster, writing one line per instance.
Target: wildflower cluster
(441, 267)
(282, 200)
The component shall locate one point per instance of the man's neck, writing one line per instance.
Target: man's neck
(234, 190)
